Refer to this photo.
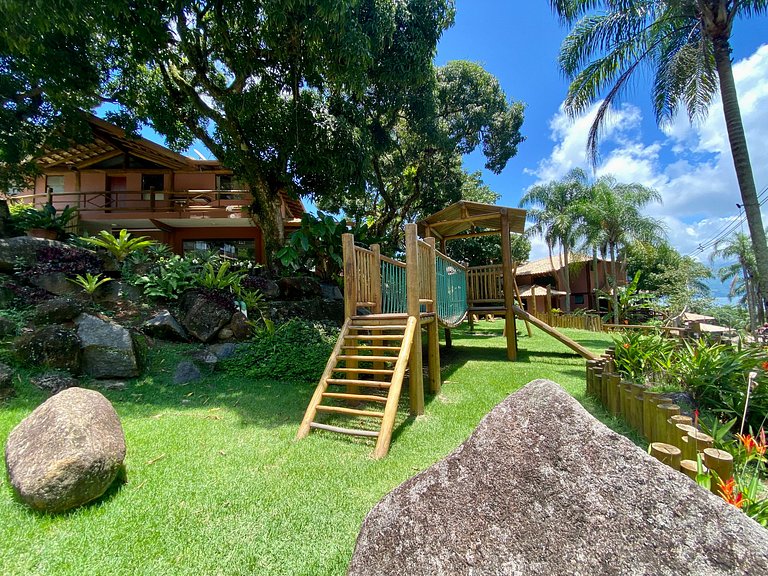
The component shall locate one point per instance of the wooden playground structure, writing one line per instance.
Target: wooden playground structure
(387, 303)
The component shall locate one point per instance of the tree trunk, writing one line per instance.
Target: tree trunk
(596, 276)
(738, 142)
(614, 292)
(265, 211)
(750, 302)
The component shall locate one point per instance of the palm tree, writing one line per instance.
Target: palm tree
(685, 44)
(741, 272)
(554, 215)
(612, 219)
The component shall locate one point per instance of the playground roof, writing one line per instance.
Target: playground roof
(466, 219)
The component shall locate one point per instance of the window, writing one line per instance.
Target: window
(239, 249)
(228, 182)
(153, 182)
(578, 299)
(56, 183)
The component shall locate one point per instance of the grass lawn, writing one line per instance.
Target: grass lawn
(216, 484)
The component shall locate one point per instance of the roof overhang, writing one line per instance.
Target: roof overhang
(465, 219)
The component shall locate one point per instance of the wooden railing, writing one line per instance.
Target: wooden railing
(485, 284)
(591, 322)
(149, 201)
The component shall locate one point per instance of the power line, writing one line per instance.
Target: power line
(729, 227)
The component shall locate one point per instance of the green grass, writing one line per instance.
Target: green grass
(217, 485)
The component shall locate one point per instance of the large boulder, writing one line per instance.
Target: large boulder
(22, 250)
(164, 326)
(67, 452)
(299, 287)
(56, 283)
(57, 311)
(107, 347)
(54, 382)
(50, 346)
(203, 314)
(542, 488)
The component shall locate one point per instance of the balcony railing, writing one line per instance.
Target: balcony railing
(182, 202)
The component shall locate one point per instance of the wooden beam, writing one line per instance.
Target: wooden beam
(416, 384)
(472, 235)
(509, 298)
(433, 330)
(471, 220)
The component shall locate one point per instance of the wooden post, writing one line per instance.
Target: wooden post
(376, 279)
(669, 455)
(520, 300)
(350, 275)
(433, 329)
(448, 339)
(597, 382)
(649, 406)
(720, 462)
(672, 430)
(691, 468)
(663, 413)
(350, 295)
(416, 381)
(509, 299)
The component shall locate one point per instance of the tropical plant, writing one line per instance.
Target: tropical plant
(627, 301)
(686, 47)
(219, 279)
(316, 245)
(90, 282)
(45, 218)
(120, 246)
(645, 358)
(555, 215)
(169, 278)
(718, 377)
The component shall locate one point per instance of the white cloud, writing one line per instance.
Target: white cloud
(691, 166)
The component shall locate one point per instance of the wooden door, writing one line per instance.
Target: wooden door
(114, 184)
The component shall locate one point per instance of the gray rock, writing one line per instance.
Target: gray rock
(222, 351)
(186, 372)
(6, 377)
(57, 311)
(7, 327)
(55, 382)
(299, 287)
(240, 327)
(225, 333)
(55, 283)
(22, 249)
(117, 290)
(67, 452)
(112, 384)
(107, 347)
(542, 488)
(165, 327)
(331, 291)
(203, 317)
(50, 346)
(268, 288)
(205, 359)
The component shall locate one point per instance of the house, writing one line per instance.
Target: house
(120, 181)
(584, 278)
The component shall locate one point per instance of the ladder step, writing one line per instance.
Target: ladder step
(368, 383)
(374, 327)
(349, 411)
(368, 358)
(355, 397)
(374, 337)
(365, 370)
(350, 431)
(384, 316)
(369, 347)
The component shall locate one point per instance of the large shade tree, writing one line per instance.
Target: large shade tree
(741, 271)
(281, 92)
(415, 163)
(685, 46)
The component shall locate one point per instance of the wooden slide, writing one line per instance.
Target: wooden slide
(572, 344)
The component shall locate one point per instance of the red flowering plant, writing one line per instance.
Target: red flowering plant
(644, 358)
(745, 490)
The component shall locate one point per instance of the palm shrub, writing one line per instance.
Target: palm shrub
(221, 278)
(120, 246)
(645, 357)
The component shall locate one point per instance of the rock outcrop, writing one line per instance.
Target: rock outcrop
(50, 346)
(164, 326)
(67, 452)
(203, 316)
(22, 250)
(107, 348)
(542, 488)
(57, 311)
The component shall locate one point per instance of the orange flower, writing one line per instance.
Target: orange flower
(726, 492)
(764, 365)
(626, 345)
(748, 442)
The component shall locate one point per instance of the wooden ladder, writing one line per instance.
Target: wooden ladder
(381, 341)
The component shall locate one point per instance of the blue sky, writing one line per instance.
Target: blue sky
(518, 42)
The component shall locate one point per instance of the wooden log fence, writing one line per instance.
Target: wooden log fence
(671, 436)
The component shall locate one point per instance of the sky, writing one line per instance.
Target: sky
(690, 166)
